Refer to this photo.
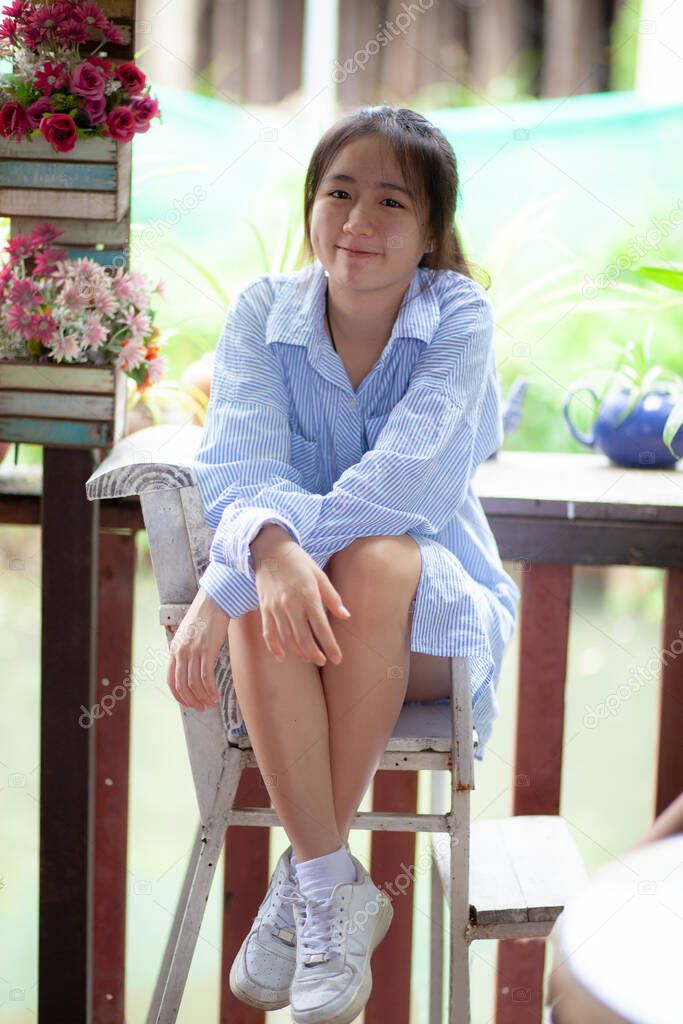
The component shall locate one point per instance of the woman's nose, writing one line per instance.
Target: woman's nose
(358, 222)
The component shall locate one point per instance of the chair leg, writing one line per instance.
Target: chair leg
(436, 947)
(459, 980)
(199, 876)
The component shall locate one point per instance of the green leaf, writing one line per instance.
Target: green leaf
(672, 426)
(670, 276)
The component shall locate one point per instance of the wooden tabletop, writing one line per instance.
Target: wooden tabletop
(568, 486)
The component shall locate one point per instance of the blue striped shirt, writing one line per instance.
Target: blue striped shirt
(287, 439)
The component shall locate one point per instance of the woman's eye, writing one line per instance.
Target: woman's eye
(397, 205)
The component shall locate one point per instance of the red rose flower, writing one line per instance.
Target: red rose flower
(87, 80)
(130, 76)
(96, 109)
(121, 124)
(37, 109)
(144, 109)
(14, 121)
(60, 131)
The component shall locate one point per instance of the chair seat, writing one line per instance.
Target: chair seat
(418, 727)
(522, 869)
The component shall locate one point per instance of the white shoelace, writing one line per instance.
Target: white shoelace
(319, 937)
(283, 919)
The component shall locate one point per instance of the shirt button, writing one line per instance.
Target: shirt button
(352, 403)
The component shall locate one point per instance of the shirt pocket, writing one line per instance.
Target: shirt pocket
(373, 427)
(306, 459)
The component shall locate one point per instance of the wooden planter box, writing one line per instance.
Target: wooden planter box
(72, 406)
(92, 182)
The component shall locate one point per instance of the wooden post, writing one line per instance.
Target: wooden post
(544, 631)
(391, 853)
(112, 740)
(69, 597)
(669, 757)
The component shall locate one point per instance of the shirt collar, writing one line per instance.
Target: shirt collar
(418, 315)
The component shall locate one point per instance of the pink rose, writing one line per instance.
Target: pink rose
(144, 109)
(60, 132)
(121, 124)
(37, 109)
(130, 76)
(14, 121)
(95, 109)
(87, 80)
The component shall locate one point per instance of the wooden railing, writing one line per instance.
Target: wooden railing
(549, 512)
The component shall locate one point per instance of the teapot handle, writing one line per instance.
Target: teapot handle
(587, 439)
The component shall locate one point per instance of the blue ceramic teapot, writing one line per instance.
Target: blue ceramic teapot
(634, 440)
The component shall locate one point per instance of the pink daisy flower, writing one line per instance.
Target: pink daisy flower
(132, 355)
(45, 233)
(65, 348)
(94, 333)
(73, 297)
(8, 28)
(122, 286)
(43, 327)
(105, 303)
(50, 77)
(139, 324)
(24, 292)
(19, 321)
(46, 260)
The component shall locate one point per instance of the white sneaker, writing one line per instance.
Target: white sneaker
(336, 937)
(262, 971)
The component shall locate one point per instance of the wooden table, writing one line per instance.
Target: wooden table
(617, 945)
(548, 512)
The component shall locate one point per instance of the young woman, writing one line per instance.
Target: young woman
(351, 404)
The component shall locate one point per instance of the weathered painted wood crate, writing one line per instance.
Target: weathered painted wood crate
(67, 406)
(92, 182)
(107, 242)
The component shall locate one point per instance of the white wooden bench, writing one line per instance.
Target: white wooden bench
(503, 879)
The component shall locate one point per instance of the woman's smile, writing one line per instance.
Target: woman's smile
(356, 253)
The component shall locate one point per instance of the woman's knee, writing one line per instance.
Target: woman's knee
(394, 560)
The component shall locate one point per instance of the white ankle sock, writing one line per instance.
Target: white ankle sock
(323, 873)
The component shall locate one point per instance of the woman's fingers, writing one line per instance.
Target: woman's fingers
(170, 680)
(325, 637)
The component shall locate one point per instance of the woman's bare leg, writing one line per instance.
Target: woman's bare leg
(284, 709)
(377, 578)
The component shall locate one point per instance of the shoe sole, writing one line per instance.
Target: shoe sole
(259, 1004)
(355, 1007)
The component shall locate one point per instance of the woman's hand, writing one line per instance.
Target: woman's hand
(293, 592)
(194, 653)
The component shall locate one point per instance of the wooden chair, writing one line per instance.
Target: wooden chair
(512, 884)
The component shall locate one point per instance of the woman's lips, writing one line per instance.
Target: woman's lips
(355, 254)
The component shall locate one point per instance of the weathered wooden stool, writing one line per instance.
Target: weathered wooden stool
(514, 883)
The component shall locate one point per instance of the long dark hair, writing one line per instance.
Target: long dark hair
(429, 168)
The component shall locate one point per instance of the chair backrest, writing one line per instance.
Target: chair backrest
(156, 465)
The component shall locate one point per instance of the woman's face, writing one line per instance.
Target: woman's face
(365, 228)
